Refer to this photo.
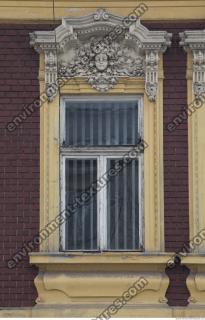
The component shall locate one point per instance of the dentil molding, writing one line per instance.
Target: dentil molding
(100, 48)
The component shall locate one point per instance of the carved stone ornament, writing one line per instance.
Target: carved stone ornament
(195, 42)
(102, 66)
(101, 49)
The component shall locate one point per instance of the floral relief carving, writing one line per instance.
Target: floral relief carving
(102, 66)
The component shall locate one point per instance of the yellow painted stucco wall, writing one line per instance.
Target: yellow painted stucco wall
(43, 10)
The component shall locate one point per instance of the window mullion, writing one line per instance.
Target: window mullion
(140, 199)
(102, 196)
(99, 206)
(105, 204)
(63, 205)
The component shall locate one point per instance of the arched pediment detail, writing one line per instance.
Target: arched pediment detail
(101, 48)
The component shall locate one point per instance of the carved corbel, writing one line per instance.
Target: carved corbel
(194, 41)
(198, 72)
(50, 72)
(151, 80)
(196, 285)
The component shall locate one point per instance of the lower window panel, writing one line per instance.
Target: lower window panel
(81, 227)
(123, 206)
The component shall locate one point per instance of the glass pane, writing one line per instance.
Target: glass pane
(123, 206)
(81, 227)
(101, 123)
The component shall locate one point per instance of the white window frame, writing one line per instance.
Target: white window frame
(101, 154)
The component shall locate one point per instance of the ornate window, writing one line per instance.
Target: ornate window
(86, 63)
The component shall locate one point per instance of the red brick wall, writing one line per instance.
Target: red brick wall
(176, 166)
(19, 160)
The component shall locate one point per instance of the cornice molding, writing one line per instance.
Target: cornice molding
(102, 49)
